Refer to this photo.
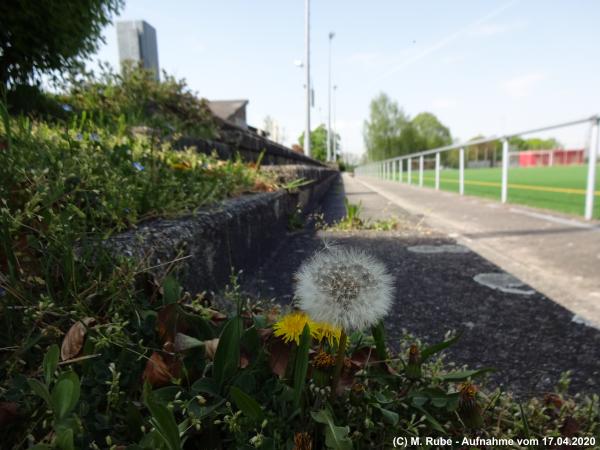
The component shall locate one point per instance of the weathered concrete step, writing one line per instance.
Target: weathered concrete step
(237, 234)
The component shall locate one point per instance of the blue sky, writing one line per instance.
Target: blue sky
(483, 67)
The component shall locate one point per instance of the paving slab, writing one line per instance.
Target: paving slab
(529, 339)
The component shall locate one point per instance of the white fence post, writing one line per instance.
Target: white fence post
(421, 158)
(437, 171)
(400, 164)
(409, 171)
(591, 178)
(504, 192)
(461, 171)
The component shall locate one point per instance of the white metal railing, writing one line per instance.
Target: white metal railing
(389, 168)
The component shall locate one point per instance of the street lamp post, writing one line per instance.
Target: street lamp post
(330, 156)
(334, 128)
(307, 68)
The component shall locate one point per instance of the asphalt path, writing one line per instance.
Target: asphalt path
(528, 338)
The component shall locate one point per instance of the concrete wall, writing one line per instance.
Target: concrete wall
(238, 234)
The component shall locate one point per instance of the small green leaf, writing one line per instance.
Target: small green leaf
(434, 423)
(390, 417)
(50, 362)
(382, 399)
(40, 390)
(464, 374)
(336, 438)
(418, 399)
(227, 356)
(246, 404)
(427, 352)
(378, 332)
(64, 438)
(201, 412)
(205, 386)
(163, 420)
(65, 395)
(171, 290)
(453, 401)
(301, 365)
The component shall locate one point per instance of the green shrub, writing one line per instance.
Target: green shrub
(135, 98)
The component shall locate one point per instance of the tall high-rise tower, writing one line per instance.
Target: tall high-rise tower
(137, 44)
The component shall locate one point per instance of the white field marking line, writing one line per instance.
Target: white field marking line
(555, 219)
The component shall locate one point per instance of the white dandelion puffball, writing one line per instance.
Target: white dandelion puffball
(345, 287)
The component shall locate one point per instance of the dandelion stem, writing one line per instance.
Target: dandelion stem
(339, 363)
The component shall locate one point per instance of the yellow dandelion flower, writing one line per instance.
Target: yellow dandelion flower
(290, 327)
(324, 330)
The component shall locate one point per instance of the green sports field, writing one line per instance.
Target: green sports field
(559, 188)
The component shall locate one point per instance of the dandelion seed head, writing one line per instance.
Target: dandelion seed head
(345, 287)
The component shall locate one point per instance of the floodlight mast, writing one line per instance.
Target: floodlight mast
(307, 74)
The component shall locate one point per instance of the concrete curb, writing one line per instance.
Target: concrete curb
(237, 234)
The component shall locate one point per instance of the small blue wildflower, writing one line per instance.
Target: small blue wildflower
(138, 166)
(126, 210)
(94, 137)
(67, 108)
(2, 292)
(79, 137)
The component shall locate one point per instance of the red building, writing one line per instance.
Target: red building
(558, 157)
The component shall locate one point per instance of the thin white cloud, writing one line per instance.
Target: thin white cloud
(495, 28)
(523, 85)
(445, 41)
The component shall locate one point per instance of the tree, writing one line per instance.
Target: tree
(384, 130)
(534, 143)
(389, 131)
(432, 133)
(44, 36)
(318, 142)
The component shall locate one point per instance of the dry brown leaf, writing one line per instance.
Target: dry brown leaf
(8, 413)
(73, 340)
(570, 427)
(166, 323)
(217, 317)
(279, 355)
(210, 348)
(264, 333)
(362, 356)
(160, 369)
(261, 186)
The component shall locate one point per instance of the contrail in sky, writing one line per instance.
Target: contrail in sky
(444, 41)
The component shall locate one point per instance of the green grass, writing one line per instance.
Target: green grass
(522, 185)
